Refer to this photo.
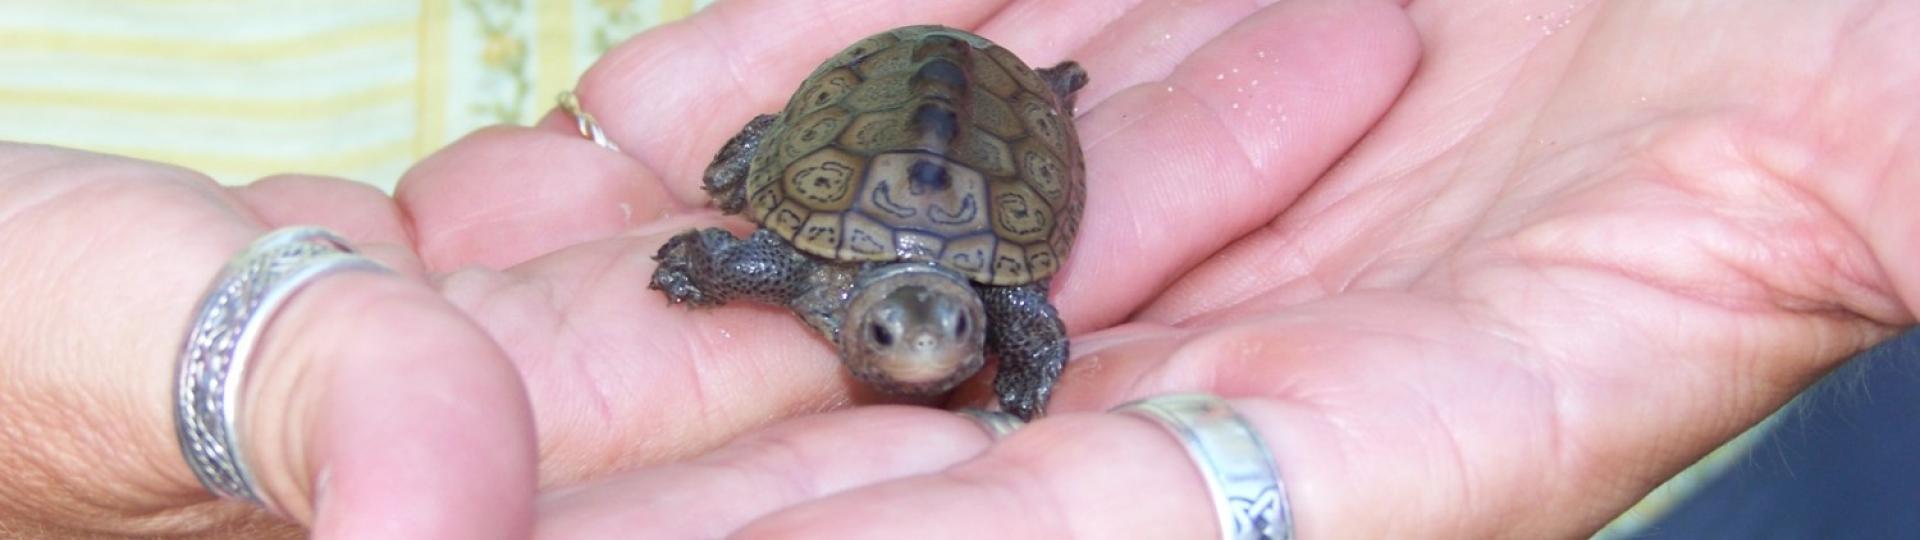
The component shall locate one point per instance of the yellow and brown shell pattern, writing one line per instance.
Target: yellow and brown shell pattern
(924, 143)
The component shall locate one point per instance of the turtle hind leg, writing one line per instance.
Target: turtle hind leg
(1026, 333)
(726, 177)
(709, 267)
(1065, 79)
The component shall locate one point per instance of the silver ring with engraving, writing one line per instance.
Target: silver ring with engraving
(997, 424)
(1249, 499)
(227, 325)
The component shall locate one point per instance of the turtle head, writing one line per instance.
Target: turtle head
(913, 329)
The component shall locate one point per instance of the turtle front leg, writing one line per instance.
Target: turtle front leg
(726, 179)
(709, 267)
(1031, 341)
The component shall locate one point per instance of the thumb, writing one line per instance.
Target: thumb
(375, 409)
(370, 408)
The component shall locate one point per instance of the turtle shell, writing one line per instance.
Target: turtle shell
(924, 143)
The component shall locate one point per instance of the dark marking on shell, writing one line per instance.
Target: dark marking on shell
(942, 72)
(958, 216)
(925, 175)
(938, 122)
(883, 200)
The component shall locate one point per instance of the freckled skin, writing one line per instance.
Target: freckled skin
(904, 327)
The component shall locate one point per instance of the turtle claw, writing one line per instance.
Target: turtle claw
(1031, 341)
(674, 275)
(709, 267)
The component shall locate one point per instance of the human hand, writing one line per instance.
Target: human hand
(1174, 180)
(374, 409)
(1590, 242)
(493, 225)
(619, 377)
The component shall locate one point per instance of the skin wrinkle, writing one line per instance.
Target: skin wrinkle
(1812, 211)
(1126, 121)
(991, 472)
(40, 449)
(563, 331)
(1219, 124)
(1530, 133)
(15, 204)
(1248, 148)
(1455, 455)
(729, 58)
(1889, 174)
(294, 447)
(779, 456)
(497, 290)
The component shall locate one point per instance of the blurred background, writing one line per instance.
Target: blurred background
(360, 89)
(241, 89)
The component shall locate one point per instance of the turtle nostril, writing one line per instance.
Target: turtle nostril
(881, 336)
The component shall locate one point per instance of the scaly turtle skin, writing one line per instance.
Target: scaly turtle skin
(914, 197)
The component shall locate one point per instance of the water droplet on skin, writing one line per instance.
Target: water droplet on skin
(626, 212)
(1169, 88)
(1236, 70)
(1256, 82)
(1260, 54)
(1236, 105)
(1220, 77)
(1641, 99)
(1166, 37)
(724, 334)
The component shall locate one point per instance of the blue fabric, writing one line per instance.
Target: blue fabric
(1844, 462)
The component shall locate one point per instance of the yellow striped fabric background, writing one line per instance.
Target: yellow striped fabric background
(241, 89)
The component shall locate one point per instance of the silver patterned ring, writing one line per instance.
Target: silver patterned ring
(997, 424)
(584, 122)
(1248, 496)
(227, 325)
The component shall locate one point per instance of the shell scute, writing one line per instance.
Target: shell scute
(924, 143)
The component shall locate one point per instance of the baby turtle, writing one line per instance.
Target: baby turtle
(913, 198)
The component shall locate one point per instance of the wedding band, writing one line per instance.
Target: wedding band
(584, 122)
(997, 424)
(227, 325)
(1248, 496)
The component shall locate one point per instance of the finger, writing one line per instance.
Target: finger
(788, 463)
(104, 257)
(387, 420)
(1178, 169)
(375, 410)
(622, 376)
(1121, 44)
(672, 96)
(359, 381)
(355, 210)
(1069, 476)
(501, 196)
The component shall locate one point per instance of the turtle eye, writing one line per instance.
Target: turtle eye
(881, 335)
(960, 326)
